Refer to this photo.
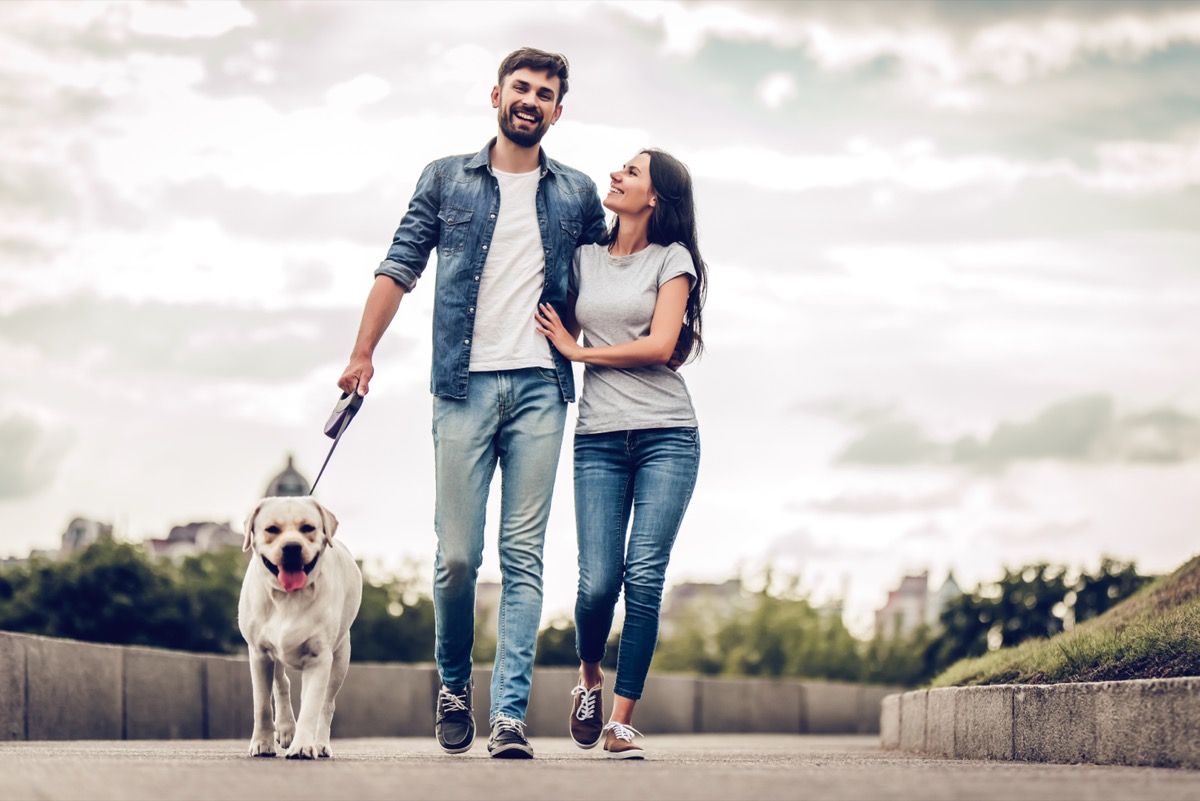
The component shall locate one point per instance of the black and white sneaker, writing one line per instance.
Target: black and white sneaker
(454, 725)
(508, 739)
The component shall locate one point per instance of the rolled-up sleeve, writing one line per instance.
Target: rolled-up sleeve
(416, 235)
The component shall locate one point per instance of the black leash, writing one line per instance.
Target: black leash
(347, 406)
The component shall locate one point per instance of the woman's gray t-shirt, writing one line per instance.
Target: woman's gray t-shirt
(616, 299)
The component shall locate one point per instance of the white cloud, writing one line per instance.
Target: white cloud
(1011, 51)
(913, 165)
(776, 89)
(1137, 167)
(1016, 52)
(188, 19)
(34, 446)
(357, 92)
(193, 261)
(686, 28)
(917, 165)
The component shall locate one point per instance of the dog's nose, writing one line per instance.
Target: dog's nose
(293, 557)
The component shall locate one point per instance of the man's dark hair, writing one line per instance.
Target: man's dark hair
(534, 59)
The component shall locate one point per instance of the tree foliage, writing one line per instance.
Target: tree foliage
(782, 634)
(394, 623)
(1037, 600)
(114, 592)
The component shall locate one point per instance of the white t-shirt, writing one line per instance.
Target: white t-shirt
(511, 283)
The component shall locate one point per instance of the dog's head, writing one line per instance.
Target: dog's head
(289, 535)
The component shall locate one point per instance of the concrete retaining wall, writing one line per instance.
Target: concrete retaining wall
(53, 689)
(1144, 722)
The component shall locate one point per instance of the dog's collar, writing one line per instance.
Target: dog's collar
(275, 568)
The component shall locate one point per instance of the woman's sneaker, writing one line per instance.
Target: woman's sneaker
(508, 739)
(619, 744)
(587, 715)
(454, 724)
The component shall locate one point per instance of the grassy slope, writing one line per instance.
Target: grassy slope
(1153, 634)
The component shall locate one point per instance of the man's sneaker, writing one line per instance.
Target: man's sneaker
(508, 739)
(619, 744)
(454, 725)
(587, 715)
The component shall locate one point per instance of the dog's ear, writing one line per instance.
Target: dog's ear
(248, 541)
(328, 521)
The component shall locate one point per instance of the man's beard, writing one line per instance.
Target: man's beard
(516, 135)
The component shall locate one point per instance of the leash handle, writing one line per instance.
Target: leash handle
(343, 412)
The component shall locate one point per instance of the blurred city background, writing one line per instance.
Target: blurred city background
(950, 400)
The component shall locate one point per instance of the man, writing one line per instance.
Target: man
(506, 222)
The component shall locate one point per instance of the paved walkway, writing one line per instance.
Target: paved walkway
(691, 767)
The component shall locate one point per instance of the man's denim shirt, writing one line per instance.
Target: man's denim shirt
(455, 207)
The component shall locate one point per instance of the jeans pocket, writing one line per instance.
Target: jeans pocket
(547, 374)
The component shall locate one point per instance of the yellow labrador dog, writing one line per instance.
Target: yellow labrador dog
(300, 595)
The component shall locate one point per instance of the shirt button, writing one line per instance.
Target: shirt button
(477, 278)
(491, 216)
(471, 310)
(485, 247)
(466, 342)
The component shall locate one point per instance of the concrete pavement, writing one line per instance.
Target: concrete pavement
(682, 766)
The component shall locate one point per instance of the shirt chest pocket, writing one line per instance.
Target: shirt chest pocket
(455, 224)
(569, 230)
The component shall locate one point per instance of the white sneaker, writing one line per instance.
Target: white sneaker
(619, 744)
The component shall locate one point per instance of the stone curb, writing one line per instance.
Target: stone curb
(1142, 722)
(55, 689)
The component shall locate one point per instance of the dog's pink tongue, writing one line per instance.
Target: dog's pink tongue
(292, 581)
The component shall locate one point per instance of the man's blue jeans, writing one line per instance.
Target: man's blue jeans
(513, 418)
(650, 474)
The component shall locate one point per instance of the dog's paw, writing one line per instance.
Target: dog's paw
(262, 746)
(324, 751)
(302, 750)
(284, 734)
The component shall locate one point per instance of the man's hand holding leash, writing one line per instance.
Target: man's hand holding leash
(382, 303)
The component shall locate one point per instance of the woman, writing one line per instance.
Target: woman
(637, 449)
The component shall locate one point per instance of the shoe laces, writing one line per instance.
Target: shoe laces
(587, 704)
(504, 723)
(621, 731)
(451, 702)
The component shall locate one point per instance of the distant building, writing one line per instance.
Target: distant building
(912, 605)
(194, 538)
(835, 608)
(941, 599)
(82, 532)
(699, 601)
(288, 483)
(181, 541)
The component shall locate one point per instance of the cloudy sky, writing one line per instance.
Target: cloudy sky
(954, 318)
